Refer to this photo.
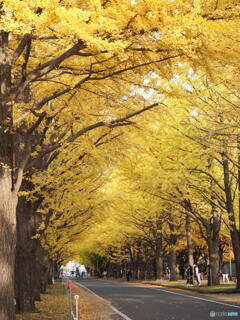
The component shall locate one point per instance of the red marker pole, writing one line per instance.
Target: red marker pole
(69, 288)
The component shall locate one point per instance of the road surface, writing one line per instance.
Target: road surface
(136, 302)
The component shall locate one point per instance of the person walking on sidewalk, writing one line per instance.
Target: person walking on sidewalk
(197, 274)
(128, 275)
(189, 273)
(225, 273)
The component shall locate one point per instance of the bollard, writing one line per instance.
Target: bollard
(69, 286)
(76, 297)
(69, 290)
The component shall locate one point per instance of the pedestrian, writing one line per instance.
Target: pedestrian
(77, 272)
(128, 275)
(197, 274)
(105, 274)
(201, 269)
(167, 273)
(225, 273)
(189, 274)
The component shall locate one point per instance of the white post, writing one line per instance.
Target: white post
(76, 297)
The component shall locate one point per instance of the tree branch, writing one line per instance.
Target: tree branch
(20, 48)
(111, 124)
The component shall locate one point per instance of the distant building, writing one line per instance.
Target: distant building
(69, 270)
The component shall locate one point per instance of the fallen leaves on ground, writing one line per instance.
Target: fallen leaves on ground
(54, 305)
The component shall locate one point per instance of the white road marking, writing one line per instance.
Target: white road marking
(190, 296)
(114, 309)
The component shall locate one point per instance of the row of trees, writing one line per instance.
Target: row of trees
(175, 179)
(73, 98)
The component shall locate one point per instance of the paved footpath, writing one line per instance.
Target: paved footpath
(136, 302)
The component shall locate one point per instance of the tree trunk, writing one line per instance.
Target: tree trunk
(173, 264)
(189, 240)
(213, 228)
(8, 203)
(232, 221)
(27, 277)
(159, 251)
(14, 152)
(213, 251)
(26, 266)
(238, 182)
(51, 272)
(172, 255)
(25, 256)
(8, 196)
(45, 266)
(24, 290)
(236, 251)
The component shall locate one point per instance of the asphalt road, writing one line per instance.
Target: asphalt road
(135, 302)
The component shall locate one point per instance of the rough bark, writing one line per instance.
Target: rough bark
(238, 177)
(8, 194)
(25, 266)
(172, 262)
(213, 227)
(231, 216)
(45, 267)
(172, 255)
(159, 251)
(213, 251)
(8, 203)
(189, 240)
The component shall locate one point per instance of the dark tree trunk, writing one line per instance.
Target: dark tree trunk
(26, 275)
(25, 256)
(231, 216)
(172, 255)
(132, 261)
(159, 251)
(172, 261)
(45, 266)
(213, 229)
(24, 290)
(213, 272)
(189, 240)
(51, 273)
